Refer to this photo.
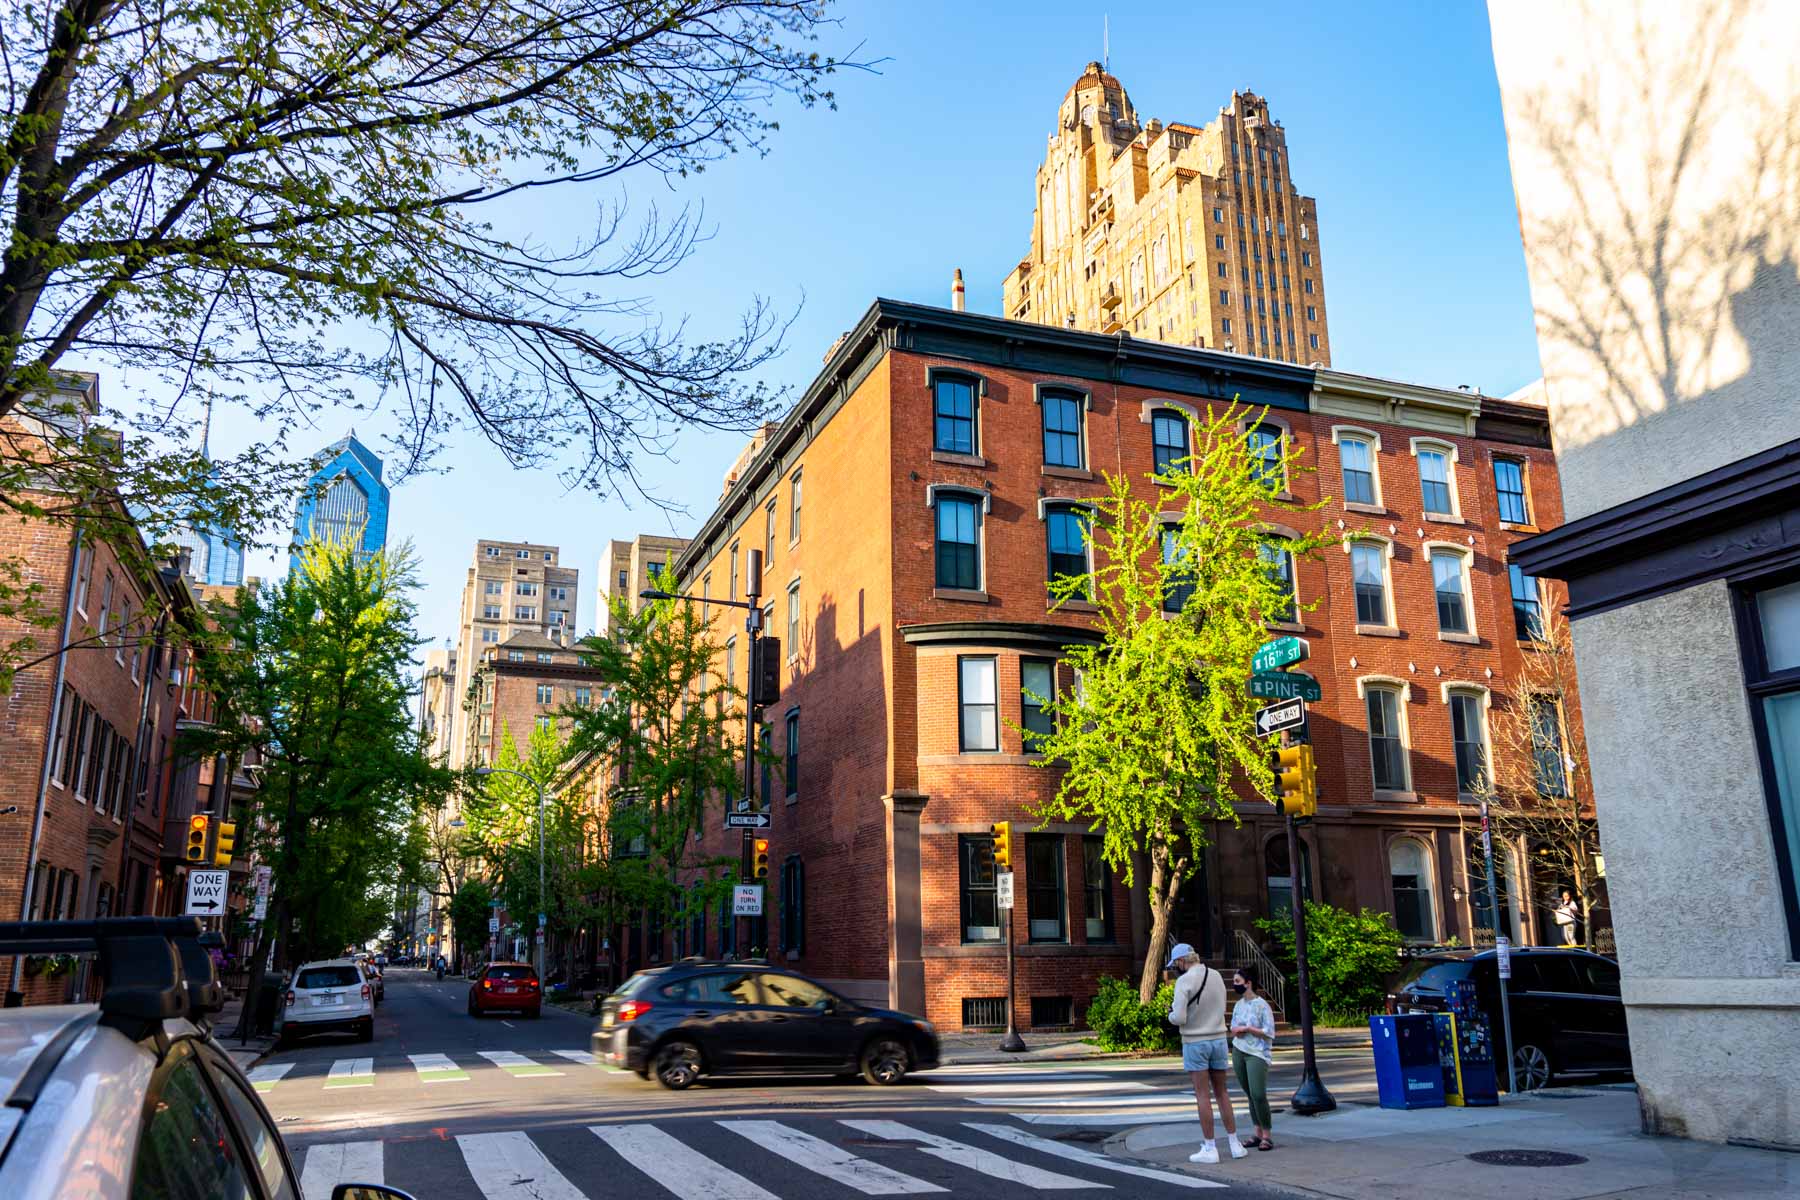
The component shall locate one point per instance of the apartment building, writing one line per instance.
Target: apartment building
(906, 510)
(627, 568)
(512, 588)
(1181, 233)
(523, 685)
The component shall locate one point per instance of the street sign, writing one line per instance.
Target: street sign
(747, 820)
(493, 924)
(1503, 956)
(1278, 652)
(542, 920)
(1285, 685)
(206, 893)
(1003, 889)
(1276, 717)
(746, 900)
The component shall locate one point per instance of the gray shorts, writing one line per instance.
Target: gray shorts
(1214, 1055)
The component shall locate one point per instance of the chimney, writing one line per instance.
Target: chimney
(957, 303)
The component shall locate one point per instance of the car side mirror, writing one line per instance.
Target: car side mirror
(367, 1191)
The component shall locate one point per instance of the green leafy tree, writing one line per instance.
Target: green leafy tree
(1350, 957)
(1157, 738)
(310, 674)
(469, 910)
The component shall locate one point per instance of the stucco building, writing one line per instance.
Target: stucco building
(1182, 233)
(1656, 158)
(908, 510)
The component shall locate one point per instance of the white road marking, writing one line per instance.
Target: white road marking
(340, 1162)
(687, 1173)
(507, 1166)
(264, 1078)
(974, 1157)
(1131, 1101)
(1036, 1089)
(351, 1072)
(516, 1064)
(833, 1162)
(1103, 1162)
(438, 1068)
(584, 1057)
(509, 1024)
(1097, 1120)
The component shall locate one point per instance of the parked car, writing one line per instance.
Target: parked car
(506, 985)
(132, 1097)
(329, 997)
(1567, 1016)
(696, 1018)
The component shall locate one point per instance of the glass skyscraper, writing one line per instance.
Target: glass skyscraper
(344, 500)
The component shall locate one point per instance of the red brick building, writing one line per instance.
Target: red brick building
(520, 685)
(906, 510)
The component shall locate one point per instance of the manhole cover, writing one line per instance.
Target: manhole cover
(1526, 1158)
(1082, 1135)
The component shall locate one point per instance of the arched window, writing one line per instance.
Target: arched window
(1265, 457)
(1169, 438)
(1409, 869)
(1280, 878)
(1481, 900)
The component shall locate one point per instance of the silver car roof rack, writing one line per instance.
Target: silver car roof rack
(152, 969)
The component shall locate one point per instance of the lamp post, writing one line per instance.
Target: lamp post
(538, 953)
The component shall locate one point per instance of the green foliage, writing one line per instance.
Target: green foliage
(1159, 740)
(1121, 1021)
(469, 910)
(1349, 956)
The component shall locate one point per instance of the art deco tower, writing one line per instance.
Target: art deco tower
(1173, 232)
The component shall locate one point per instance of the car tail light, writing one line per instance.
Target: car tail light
(290, 1000)
(531, 983)
(487, 985)
(631, 1010)
(365, 991)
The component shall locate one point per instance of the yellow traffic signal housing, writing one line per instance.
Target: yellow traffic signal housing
(223, 843)
(1001, 832)
(196, 838)
(760, 867)
(1298, 780)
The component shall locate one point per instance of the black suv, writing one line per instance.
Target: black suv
(1566, 1011)
(695, 1018)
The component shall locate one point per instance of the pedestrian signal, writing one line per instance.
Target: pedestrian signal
(223, 843)
(1001, 832)
(196, 838)
(1298, 781)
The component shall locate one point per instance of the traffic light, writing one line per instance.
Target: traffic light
(223, 843)
(196, 842)
(1001, 832)
(765, 672)
(760, 865)
(1298, 780)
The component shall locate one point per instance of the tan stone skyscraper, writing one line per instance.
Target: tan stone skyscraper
(1173, 232)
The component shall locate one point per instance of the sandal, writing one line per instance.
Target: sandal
(1265, 1144)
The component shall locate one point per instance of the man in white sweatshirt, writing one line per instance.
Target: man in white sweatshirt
(1199, 1009)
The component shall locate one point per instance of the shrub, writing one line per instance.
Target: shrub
(1349, 956)
(1121, 1022)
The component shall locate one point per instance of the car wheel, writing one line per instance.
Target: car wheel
(534, 1013)
(1531, 1067)
(366, 1031)
(884, 1062)
(677, 1065)
(473, 1011)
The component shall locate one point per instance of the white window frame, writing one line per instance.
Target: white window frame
(1428, 873)
(1392, 602)
(793, 620)
(1448, 450)
(1403, 697)
(1465, 560)
(1372, 440)
(961, 492)
(1481, 693)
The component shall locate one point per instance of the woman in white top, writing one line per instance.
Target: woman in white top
(1252, 1047)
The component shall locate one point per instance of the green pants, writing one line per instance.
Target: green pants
(1253, 1077)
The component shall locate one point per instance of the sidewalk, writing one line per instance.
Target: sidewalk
(961, 1049)
(1360, 1152)
(224, 1026)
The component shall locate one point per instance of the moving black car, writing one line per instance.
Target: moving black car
(1566, 1012)
(695, 1018)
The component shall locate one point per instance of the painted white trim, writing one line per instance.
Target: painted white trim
(1046, 503)
(1356, 433)
(1180, 406)
(1365, 682)
(1429, 874)
(1448, 450)
(1404, 688)
(1466, 558)
(1431, 443)
(1448, 686)
(958, 489)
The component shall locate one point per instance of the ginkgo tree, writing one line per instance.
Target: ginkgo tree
(1156, 738)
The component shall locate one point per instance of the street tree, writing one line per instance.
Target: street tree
(309, 674)
(470, 908)
(1157, 740)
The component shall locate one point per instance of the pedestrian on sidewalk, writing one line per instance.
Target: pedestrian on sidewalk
(1567, 913)
(1199, 1010)
(1252, 1049)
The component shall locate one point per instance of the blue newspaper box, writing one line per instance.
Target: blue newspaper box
(1408, 1071)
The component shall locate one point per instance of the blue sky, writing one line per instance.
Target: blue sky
(1393, 123)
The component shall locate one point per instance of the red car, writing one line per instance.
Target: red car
(506, 985)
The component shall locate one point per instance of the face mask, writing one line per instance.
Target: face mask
(1240, 988)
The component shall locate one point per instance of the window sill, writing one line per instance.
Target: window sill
(1373, 510)
(1285, 626)
(1444, 519)
(1080, 606)
(1386, 797)
(958, 460)
(962, 594)
(1066, 472)
(1378, 631)
(793, 543)
(1465, 639)
(1527, 527)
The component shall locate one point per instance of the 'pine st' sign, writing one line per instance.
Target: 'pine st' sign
(1278, 652)
(1285, 685)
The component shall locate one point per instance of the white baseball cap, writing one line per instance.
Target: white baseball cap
(1182, 950)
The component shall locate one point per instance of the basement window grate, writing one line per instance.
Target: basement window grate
(984, 1012)
(1048, 1012)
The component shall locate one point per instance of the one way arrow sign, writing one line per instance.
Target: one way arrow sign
(206, 892)
(1277, 717)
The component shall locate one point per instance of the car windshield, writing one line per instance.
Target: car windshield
(327, 977)
(511, 973)
(638, 984)
(1438, 973)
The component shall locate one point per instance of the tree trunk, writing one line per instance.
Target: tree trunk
(1165, 883)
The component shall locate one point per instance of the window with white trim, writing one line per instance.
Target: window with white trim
(1066, 538)
(1468, 739)
(1409, 873)
(1447, 571)
(1356, 459)
(958, 542)
(1436, 495)
(1387, 738)
(978, 725)
(1169, 441)
(1368, 568)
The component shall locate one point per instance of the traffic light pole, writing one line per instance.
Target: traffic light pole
(1012, 1043)
(1311, 1097)
(1493, 891)
(753, 630)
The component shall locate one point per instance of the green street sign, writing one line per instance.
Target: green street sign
(1277, 653)
(1285, 685)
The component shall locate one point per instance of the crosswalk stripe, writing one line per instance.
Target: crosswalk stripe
(974, 1157)
(516, 1064)
(340, 1162)
(264, 1078)
(1000, 1074)
(1154, 1116)
(437, 1068)
(833, 1162)
(1036, 1089)
(1132, 1101)
(1075, 1154)
(584, 1057)
(686, 1173)
(507, 1166)
(351, 1072)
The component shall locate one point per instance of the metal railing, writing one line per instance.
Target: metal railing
(1272, 981)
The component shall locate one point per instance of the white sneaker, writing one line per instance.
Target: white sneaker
(1237, 1147)
(1208, 1153)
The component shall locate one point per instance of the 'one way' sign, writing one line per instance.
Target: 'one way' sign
(206, 893)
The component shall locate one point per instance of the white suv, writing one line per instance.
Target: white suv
(328, 996)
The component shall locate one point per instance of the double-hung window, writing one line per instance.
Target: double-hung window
(959, 542)
(793, 620)
(1065, 529)
(1509, 490)
(1469, 738)
(793, 905)
(1178, 578)
(1278, 561)
(794, 508)
(546, 693)
(1045, 903)
(1096, 883)
(1062, 430)
(1547, 767)
(1037, 688)
(953, 399)
(1528, 608)
(1452, 598)
(978, 724)
(980, 904)
(1434, 482)
(1368, 567)
(1387, 746)
(1357, 459)
(1266, 465)
(1169, 441)
(791, 766)
(769, 536)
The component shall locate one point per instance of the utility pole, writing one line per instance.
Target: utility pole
(1502, 948)
(1311, 1097)
(753, 631)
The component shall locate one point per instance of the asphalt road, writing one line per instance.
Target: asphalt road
(450, 1107)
